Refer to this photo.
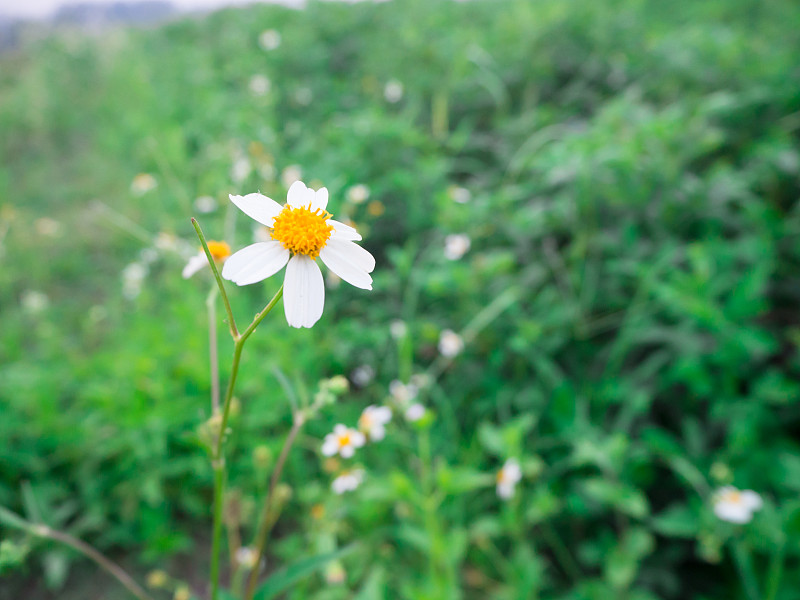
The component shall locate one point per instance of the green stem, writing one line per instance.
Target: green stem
(562, 553)
(217, 460)
(43, 531)
(267, 520)
(745, 569)
(775, 572)
(231, 320)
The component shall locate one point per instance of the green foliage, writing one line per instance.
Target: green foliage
(631, 172)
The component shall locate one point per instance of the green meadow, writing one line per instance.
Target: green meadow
(597, 203)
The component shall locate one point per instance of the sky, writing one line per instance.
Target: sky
(45, 8)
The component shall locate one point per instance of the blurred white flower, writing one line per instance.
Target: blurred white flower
(240, 169)
(401, 392)
(450, 343)
(456, 245)
(246, 557)
(373, 421)
(260, 85)
(302, 231)
(736, 506)
(143, 183)
(393, 91)
(459, 194)
(303, 95)
(47, 227)
(291, 174)
(507, 478)
(132, 278)
(34, 302)
(220, 251)
(343, 441)
(166, 242)
(269, 39)
(362, 375)
(148, 255)
(415, 412)
(358, 194)
(205, 204)
(398, 329)
(348, 481)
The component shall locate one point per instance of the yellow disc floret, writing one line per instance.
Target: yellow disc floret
(219, 250)
(301, 230)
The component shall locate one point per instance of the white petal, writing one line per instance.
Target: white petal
(299, 195)
(511, 471)
(343, 232)
(339, 429)
(358, 439)
(505, 491)
(341, 484)
(382, 414)
(320, 200)
(258, 206)
(303, 292)
(752, 500)
(347, 451)
(255, 263)
(195, 264)
(732, 512)
(330, 446)
(350, 262)
(377, 433)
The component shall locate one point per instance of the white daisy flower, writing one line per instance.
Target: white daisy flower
(373, 421)
(415, 412)
(347, 481)
(736, 506)
(34, 302)
(220, 251)
(132, 279)
(259, 85)
(246, 557)
(205, 204)
(459, 194)
(456, 245)
(401, 392)
(343, 441)
(358, 194)
(291, 174)
(507, 478)
(301, 231)
(398, 329)
(362, 375)
(241, 169)
(143, 183)
(450, 343)
(393, 91)
(269, 39)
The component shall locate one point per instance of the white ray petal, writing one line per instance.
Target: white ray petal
(255, 263)
(320, 199)
(350, 262)
(343, 232)
(195, 264)
(299, 195)
(303, 292)
(258, 206)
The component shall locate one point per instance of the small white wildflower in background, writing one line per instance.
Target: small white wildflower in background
(143, 183)
(205, 204)
(398, 329)
(246, 557)
(335, 573)
(241, 169)
(401, 392)
(362, 375)
(736, 506)
(507, 478)
(450, 343)
(393, 91)
(456, 245)
(220, 251)
(302, 230)
(47, 227)
(34, 302)
(415, 412)
(373, 421)
(166, 242)
(259, 85)
(269, 39)
(343, 441)
(291, 174)
(358, 194)
(148, 255)
(459, 194)
(420, 381)
(303, 95)
(348, 481)
(132, 278)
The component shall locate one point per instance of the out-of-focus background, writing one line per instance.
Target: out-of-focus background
(599, 197)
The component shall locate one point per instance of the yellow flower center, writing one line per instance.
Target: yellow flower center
(733, 497)
(501, 476)
(364, 421)
(219, 250)
(301, 230)
(344, 440)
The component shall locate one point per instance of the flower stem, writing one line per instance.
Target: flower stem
(217, 460)
(742, 559)
(265, 525)
(12, 520)
(231, 321)
(775, 571)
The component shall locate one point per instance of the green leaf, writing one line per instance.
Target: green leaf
(285, 578)
(626, 499)
(676, 521)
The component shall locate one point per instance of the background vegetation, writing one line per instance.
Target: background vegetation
(629, 300)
